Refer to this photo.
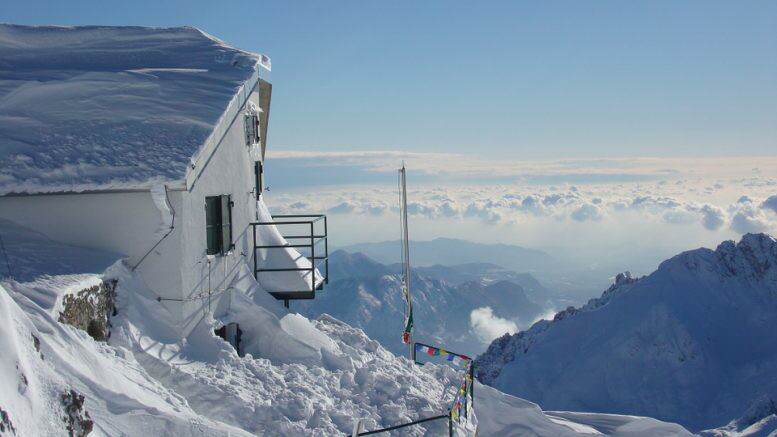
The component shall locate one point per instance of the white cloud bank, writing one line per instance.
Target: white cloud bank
(683, 204)
(487, 326)
(590, 210)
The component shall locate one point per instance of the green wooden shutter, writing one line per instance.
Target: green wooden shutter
(250, 128)
(213, 224)
(253, 132)
(259, 176)
(226, 224)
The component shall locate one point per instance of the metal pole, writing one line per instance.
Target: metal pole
(312, 260)
(254, 253)
(405, 245)
(326, 251)
(404, 225)
(450, 425)
(466, 401)
(472, 382)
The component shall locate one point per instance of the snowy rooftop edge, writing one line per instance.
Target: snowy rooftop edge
(94, 108)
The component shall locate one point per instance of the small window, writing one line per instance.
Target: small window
(218, 224)
(253, 133)
(259, 174)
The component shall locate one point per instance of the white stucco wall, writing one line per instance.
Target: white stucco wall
(127, 223)
(230, 170)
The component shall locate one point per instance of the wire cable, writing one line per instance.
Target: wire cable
(172, 227)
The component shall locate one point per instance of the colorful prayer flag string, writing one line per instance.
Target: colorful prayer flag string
(440, 352)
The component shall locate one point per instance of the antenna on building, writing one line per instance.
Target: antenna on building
(408, 330)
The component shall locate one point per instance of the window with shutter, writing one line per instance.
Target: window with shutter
(218, 224)
(258, 136)
(252, 129)
(213, 224)
(226, 224)
(259, 174)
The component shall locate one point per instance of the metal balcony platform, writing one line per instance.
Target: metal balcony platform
(306, 242)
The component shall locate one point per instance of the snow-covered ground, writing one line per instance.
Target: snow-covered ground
(43, 360)
(500, 414)
(298, 377)
(315, 378)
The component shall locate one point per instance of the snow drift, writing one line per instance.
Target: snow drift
(43, 361)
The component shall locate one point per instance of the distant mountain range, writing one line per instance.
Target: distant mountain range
(366, 294)
(695, 342)
(451, 251)
(570, 282)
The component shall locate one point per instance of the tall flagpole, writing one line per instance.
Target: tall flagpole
(407, 335)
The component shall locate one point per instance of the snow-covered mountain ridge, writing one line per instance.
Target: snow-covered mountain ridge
(491, 362)
(452, 251)
(694, 342)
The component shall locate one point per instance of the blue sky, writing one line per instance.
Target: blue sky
(504, 80)
(616, 132)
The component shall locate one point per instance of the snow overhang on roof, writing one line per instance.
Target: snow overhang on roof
(105, 108)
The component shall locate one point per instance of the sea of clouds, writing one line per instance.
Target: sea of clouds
(735, 193)
(676, 203)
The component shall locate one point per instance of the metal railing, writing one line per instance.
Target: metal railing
(416, 422)
(305, 240)
(463, 403)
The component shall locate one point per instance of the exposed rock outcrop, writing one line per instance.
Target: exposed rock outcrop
(91, 309)
(77, 420)
(5, 424)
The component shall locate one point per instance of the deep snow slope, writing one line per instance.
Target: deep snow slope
(509, 416)
(693, 343)
(43, 360)
(74, 103)
(300, 377)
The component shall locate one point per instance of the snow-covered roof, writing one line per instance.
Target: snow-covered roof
(94, 108)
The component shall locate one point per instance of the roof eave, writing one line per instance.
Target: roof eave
(200, 160)
(171, 186)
